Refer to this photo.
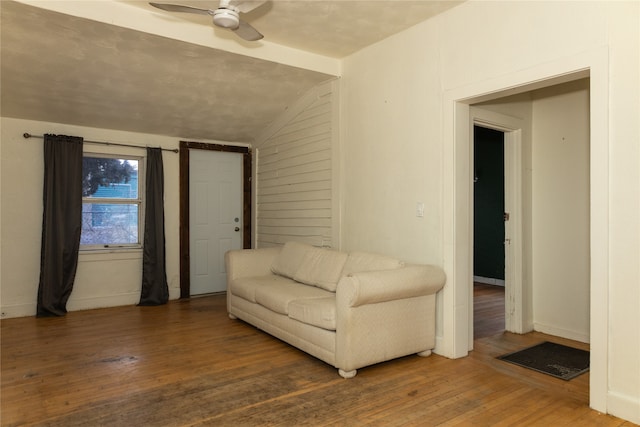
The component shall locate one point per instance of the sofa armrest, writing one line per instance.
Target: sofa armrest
(249, 262)
(387, 285)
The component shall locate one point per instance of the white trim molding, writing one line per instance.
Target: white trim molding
(457, 263)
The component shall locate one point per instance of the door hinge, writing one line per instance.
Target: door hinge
(506, 216)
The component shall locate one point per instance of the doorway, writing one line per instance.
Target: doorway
(215, 213)
(504, 134)
(455, 301)
(215, 217)
(489, 210)
(489, 217)
(551, 229)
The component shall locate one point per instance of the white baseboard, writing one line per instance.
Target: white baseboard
(18, 310)
(25, 310)
(439, 348)
(625, 407)
(443, 351)
(560, 332)
(117, 300)
(488, 281)
(114, 300)
(77, 304)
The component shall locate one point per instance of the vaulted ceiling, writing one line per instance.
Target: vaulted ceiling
(128, 66)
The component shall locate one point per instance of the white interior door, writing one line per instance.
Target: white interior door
(215, 216)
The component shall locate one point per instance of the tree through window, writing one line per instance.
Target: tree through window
(112, 201)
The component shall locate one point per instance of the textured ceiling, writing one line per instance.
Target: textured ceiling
(66, 69)
(332, 28)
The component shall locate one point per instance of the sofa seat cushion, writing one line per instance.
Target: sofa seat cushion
(245, 287)
(320, 312)
(277, 295)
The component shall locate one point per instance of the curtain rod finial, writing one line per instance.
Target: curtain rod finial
(26, 135)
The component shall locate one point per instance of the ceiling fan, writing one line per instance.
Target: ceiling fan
(227, 15)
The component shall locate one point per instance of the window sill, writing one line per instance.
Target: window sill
(109, 254)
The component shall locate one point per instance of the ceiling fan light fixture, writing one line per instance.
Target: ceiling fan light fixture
(226, 18)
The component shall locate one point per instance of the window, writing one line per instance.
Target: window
(111, 202)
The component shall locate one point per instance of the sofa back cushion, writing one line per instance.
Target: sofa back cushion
(366, 261)
(290, 258)
(321, 267)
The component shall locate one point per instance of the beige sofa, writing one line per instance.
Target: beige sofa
(348, 309)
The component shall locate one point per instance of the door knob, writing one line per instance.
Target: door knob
(237, 228)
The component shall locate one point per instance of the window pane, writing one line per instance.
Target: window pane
(109, 178)
(109, 224)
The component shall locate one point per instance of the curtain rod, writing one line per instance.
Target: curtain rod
(27, 135)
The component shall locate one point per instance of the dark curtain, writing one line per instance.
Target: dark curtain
(155, 290)
(61, 222)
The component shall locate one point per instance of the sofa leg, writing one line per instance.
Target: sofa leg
(347, 374)
(425, 353)
(232, 317)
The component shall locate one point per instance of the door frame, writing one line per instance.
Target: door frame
(453, 327)
(517, 303)
(185, 148)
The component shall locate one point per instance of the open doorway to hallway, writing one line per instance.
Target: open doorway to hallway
(457, 312)
(553, 226)
(489, 215)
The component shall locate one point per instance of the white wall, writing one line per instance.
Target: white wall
(102, 280)
(391, 128)
(296, 173)
(395, 138)
(561, 237)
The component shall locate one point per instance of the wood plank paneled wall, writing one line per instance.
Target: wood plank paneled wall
(295, 174)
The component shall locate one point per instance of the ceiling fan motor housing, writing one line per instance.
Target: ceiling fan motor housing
(226, 18)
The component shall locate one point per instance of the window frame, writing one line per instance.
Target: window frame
(139, 201)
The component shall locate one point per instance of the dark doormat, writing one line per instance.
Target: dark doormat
(553, 359)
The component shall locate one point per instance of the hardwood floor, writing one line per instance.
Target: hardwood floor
(188, 364)
(488, 310)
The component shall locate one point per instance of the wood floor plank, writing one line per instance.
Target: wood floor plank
(188, 364)
(488, 310)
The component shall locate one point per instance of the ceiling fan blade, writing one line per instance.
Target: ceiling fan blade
(247, 6)
(247, 32)
(179, 8)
